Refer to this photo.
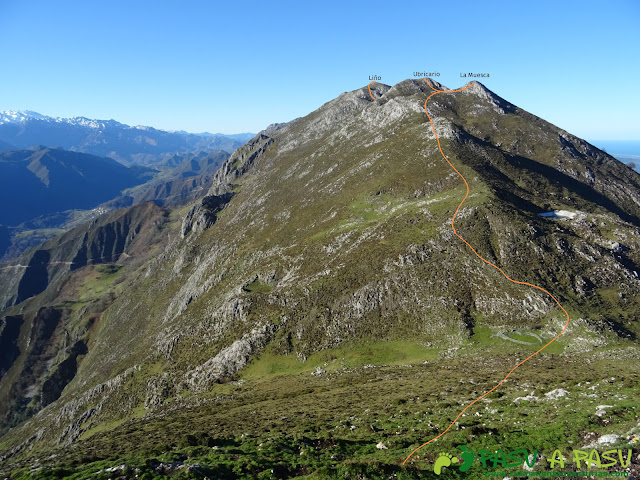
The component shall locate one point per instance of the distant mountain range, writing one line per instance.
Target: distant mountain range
(42, 180)
(139, 145)
(45, 191)
(189, 179)
(80, 168)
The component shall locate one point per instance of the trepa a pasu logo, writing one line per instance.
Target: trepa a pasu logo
(525, 459)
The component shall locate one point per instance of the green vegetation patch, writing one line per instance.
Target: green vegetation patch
(99, 280)
(327, 426)
(489, 338)
(343, 357)
(256, 286)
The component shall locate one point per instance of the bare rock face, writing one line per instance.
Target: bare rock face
(241, 161)
(493, 103)
(230, 359)
(63, 373)
(203, 215)
(35, 385)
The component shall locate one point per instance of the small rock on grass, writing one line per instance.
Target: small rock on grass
(557, 393)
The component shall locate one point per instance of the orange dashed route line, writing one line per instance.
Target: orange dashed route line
(485, 261)
(369, 87)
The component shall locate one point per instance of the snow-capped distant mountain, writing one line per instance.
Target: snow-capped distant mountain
(138, 145)
(9, 116)
(23, 116)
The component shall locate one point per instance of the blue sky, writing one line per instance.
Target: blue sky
(239, 66)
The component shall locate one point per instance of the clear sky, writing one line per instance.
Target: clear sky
(238, 66)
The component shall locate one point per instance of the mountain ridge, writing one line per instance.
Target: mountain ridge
(330, 235)
(182, 179)
(22, 116)
(130, 145)
(42, 180)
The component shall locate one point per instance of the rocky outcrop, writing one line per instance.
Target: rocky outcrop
(230, 359)
(203, 215)
(38, 351)
(64, 372)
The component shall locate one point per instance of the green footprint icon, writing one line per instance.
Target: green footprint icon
(444, 460)
(468, 457)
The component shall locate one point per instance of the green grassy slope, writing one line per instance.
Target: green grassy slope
(336, 253)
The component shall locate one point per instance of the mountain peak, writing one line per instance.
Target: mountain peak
(23, 116)
(499, 104)
(435, 85)
(37, 148)
(414, 85)
(20, 116)
(377, 90)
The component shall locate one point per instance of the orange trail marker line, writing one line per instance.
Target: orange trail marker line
(369, 87)
(485, 261)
